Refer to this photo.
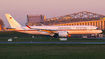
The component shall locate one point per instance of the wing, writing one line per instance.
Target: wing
(45, 30)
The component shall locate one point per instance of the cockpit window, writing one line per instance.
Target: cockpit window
(97, 28)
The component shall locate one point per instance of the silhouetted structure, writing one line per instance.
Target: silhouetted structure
(1, 24)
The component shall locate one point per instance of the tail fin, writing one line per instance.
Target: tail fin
(13, 23)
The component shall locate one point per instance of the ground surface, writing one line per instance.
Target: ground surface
(51, 51)
(21, 39)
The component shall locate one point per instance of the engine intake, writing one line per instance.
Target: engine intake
(63, 33)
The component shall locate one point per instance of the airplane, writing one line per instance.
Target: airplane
(61, 31)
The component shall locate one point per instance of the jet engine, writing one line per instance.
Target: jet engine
(62, 33)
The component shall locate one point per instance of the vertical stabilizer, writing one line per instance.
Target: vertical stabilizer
(13, 23)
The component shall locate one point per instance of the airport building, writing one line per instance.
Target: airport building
(79, 18)
(35, 18)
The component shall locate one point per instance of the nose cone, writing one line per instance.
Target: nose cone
(100, 31)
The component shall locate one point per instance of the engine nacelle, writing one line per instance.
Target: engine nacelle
(63, 33)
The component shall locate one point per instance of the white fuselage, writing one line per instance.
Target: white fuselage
(70, 29)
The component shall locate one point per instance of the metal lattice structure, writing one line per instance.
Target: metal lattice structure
(70, 18)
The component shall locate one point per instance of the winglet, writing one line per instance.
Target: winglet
(29, 27)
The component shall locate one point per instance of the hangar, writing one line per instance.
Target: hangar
(79, 18)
